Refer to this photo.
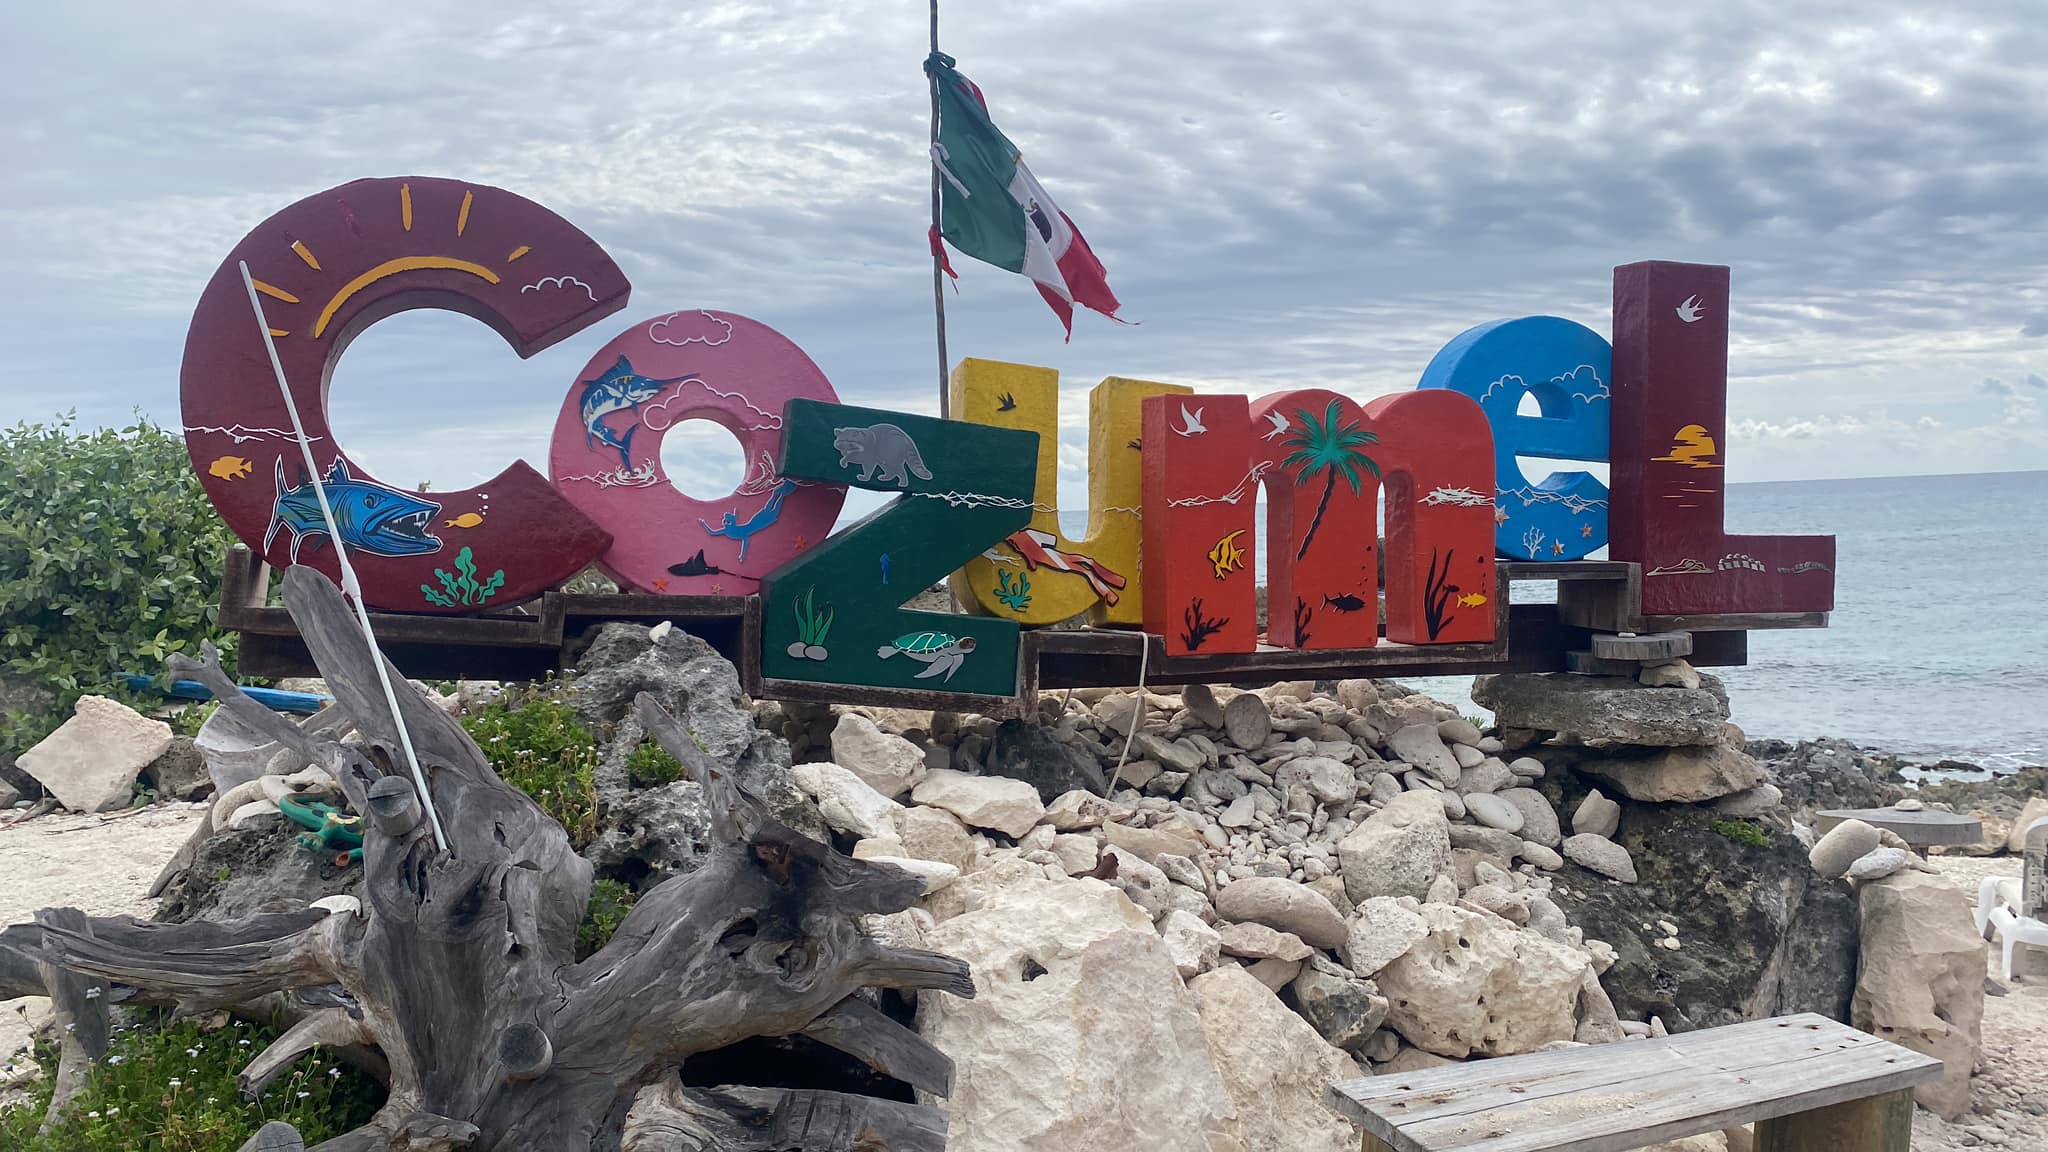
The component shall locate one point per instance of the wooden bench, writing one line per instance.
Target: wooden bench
(1809, 1083)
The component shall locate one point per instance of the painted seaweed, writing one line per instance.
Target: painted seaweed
(1199, 628)
(1437, 595)
(463, 590)
(1015, 594)
(812, 626)
(1302, 615)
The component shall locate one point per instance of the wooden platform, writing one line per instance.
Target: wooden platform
(530, 640)
(1920, 828)
(1610, 1097)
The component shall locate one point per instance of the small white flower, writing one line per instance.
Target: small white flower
(114, 1059)
(176, 1083)
(303, 1095)
(69, 1027)
(95, 1115)
(191, 1051)
(243, 1042)
(113, 1111)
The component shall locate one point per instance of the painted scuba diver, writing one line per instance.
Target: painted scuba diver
(731, 528)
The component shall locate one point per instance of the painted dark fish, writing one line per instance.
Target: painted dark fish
(374, 519)
(619, 389)
(1345, 603)
(695, 566)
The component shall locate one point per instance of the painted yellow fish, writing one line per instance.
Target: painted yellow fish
(466, 520)
(229, 468)
(1226, 555)
(1471, 599)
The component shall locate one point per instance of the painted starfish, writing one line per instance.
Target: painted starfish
(1586, 530)
(1500, 516)
(661, 584)
(1557, 548)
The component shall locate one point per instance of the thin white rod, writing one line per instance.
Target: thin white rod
(349, 586)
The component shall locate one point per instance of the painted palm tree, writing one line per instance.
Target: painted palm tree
(1330, 446)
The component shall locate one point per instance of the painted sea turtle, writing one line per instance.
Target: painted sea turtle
(943, 651)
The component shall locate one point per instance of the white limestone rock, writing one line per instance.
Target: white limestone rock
(91, 761)
(1071, 983)
(888, 763)
(935, 834)
(1494, 812)
(1419, 746)
(1844, 844)
(1476, 985)
(1920, 980)
(1599, 854)
(1878, 863)
(1194, 946)
(1539, 819)
(1072, 811)
(846, 801)
(997, 803)
(1596, 815)
(1281, 904)
(1398, 850)
(1276, 1070)
(1258, 942)
(1384, 928)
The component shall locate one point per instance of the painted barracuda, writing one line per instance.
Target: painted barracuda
(372, 518)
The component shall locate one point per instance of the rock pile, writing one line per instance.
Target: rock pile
(1360, 877)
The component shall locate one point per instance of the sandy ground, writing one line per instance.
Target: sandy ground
(98, 864)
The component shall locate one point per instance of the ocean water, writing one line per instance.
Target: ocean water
(1938, 645)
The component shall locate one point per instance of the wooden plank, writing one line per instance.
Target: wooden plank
(1587, 664)
(1644, 647)
(1874, 1124)
(1602, 570)
(1731, 622)
(1610, 1098)
(1927, 826)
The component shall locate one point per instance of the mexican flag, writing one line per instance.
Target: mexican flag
(994, 209)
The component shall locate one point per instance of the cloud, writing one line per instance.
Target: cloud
(2034, 380)
(1273, 219)
(1993, 386)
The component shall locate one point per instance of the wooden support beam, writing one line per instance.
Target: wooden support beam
(1873, 1124)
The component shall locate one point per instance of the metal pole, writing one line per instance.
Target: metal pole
(938, 255)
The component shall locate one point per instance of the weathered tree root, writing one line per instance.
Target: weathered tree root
(461, 968)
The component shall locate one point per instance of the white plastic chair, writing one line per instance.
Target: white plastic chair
(2002, 902)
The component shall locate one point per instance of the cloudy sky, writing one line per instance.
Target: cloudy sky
(1291, 194)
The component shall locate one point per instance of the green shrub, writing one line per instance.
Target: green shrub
(109, 561)
(538, 747)
(174, 1090)
(1743, 832)
(610, 900)
(652, 766)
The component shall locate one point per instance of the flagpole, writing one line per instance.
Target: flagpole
(938, 253)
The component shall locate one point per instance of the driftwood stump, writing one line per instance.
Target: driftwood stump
(460, 969)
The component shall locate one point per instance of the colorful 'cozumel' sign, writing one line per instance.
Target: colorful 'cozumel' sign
(1430, 477)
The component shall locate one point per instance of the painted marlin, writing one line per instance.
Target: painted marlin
(619, 389)
(374, 519)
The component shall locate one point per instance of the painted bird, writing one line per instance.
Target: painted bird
(229, 468)
(1226, 555)
(1193, 419)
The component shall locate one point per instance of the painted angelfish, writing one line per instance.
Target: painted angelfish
(373, 518)
(619, 389)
